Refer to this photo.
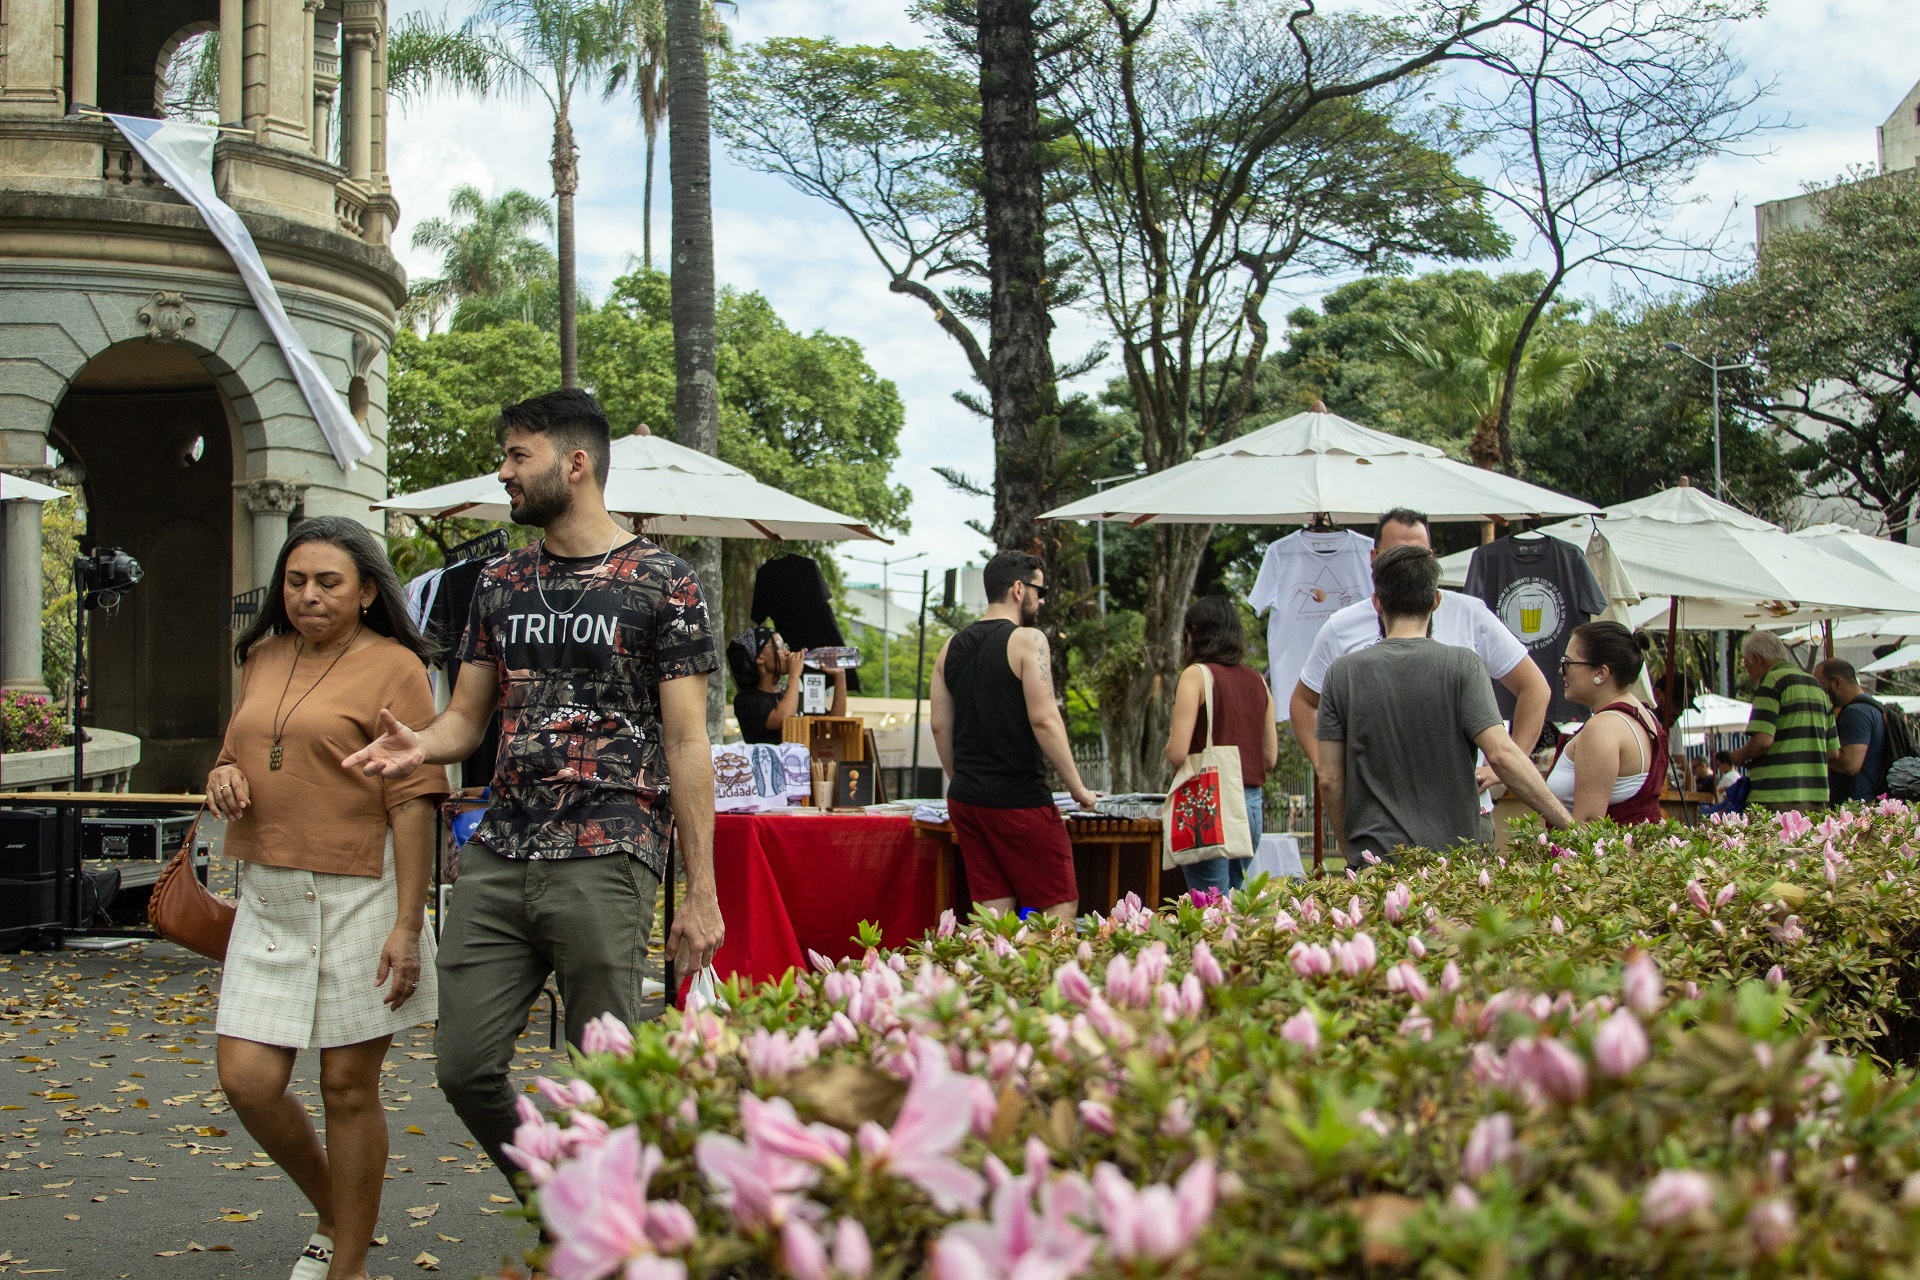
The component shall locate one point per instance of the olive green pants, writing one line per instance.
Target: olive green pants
(510, 924)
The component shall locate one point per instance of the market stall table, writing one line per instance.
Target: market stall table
(791, 883)
(1111, 857)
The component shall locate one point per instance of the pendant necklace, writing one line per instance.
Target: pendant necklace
(579, 599)
(275, 755)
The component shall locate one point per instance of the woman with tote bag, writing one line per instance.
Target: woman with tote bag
(1222, 742)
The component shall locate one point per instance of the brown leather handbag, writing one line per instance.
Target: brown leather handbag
(185, 911)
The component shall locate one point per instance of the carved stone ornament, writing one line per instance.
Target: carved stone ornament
(280, 496)
(167, 316)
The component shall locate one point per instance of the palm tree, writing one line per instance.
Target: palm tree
(1462, 359)
(545, 48)
(696, 392)
(489, 265)
(643, 64)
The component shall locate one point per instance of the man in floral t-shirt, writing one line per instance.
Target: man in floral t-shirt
(595, 646)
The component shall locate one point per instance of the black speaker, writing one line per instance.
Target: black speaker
(32, 843)
(27, 906)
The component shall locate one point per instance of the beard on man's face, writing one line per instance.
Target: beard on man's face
(1029, 608)
(544, 497)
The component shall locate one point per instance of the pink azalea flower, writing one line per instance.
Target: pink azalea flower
(1178, 1118)
(1205, 967)
(1283, 922)
(1776, 977)
(1641, 985)
(1416, 947)
(596, 1207)
(773, 1126)
(758, 1187)
(840, 1030)
(1369, 857)
(1558, 926)
(1770, 1226)
(1793, 825)
(1302, 1029)
(1698, 897)
(1619, 1045)
(1491, 1144)
(820, 963)
(1673, 1195)
(1404, 977)
(1097, 1116)
(947, 924)
(1548, 1065)
(1725, 895)
(606, 1034)
(1486, 881)
(1156, 1223)
(1450, 978)
(1359, 956)
(852, 1254)
(1398, 899)
(1789, 931)
(1310, 959)
(1072, 983)
(574, 1093)
(934, 1119)
(1019, 1241)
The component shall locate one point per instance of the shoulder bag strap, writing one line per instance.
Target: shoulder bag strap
(1206, 675)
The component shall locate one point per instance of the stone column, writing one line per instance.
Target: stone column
(359, 71)
(86, 52)
(34, 36)
(233, 52)
(309, 16)
(20, 599)
(271, 502)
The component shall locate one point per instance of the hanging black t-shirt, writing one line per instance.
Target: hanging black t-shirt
(1541, 589)
(792, 591)
(751, 707)
(446, 624)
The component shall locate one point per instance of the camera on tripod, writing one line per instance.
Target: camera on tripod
(102, 577)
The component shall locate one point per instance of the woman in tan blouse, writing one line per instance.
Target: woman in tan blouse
(329, 949)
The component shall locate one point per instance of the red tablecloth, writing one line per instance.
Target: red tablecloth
(792, 884)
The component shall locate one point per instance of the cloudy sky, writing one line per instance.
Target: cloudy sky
(1839, 67)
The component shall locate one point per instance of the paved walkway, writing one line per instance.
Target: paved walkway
(122, 1160)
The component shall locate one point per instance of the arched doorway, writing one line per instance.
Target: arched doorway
(147, 429)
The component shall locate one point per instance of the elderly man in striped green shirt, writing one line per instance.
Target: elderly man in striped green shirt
(1791, 731)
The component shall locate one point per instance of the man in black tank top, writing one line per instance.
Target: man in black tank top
(997, 727)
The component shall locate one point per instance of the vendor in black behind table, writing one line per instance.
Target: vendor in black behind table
(997, 727)
(595, 643)
(760, 659)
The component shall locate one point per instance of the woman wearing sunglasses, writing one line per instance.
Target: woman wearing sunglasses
(1616, 766)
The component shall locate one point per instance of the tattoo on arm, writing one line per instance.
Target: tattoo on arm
(1043, 659)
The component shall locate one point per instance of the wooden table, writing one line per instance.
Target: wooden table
(1111, 856)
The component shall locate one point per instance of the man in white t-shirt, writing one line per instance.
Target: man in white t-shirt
(1460, 620)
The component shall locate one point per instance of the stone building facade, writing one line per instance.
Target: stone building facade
(133, 364)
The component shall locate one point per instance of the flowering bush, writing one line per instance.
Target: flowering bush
(1646, 1052)
(30, 722)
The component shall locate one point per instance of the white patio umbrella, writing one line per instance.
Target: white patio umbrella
(16, 489)
(1898, 660)
(1729, 570)
(1711, 711)
(669, 489)
(1317, 463)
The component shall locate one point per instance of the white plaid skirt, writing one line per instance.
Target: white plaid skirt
(305, 949)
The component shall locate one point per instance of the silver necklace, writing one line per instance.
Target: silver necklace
(579, 599)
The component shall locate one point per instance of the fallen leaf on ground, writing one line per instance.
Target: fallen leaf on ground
(414, 1128)
(498, 1199)
(426, 1261)
(421, 1212)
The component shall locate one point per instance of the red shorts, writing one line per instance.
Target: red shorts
(1023, 854)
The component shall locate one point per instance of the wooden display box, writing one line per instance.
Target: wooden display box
(828, 737)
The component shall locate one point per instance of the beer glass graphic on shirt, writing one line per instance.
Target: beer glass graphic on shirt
(1531, 610)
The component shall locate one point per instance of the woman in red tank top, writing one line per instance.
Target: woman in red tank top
(1617, 765)
(1214, 642)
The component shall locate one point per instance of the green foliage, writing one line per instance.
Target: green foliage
(30, 722)
(60, 527)
(491, 270)
(1830, 319)
(1507, 1075)
(802, 412)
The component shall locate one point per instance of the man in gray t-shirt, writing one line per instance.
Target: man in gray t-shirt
(1399, 723)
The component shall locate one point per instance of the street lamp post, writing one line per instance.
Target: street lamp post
(1716, 369)
(886, 615)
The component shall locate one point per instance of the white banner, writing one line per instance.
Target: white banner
(182, 154)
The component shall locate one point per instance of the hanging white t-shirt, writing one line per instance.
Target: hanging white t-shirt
(1304, 580)
(1460, 620)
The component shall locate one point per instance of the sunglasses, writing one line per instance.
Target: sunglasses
(1039, 589)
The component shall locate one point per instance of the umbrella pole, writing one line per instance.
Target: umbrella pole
(1668, 713)
(1826, 634)
(1319, 853)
